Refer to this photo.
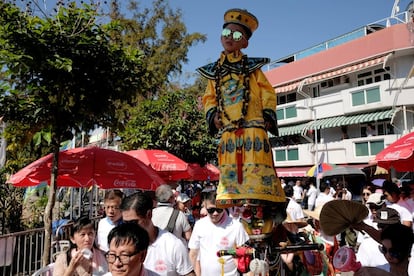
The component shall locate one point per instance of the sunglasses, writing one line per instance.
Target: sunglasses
(236, 35)
(212, 210)
(390, 251)
(366, 194)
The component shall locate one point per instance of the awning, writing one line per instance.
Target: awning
(292, 171)
(352, 119)
(330, 74)
(292, 130)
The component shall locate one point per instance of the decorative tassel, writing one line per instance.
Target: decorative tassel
(239, 154)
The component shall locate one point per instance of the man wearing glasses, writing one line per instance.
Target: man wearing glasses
(166, 254)
(128, 245)
(217, 231)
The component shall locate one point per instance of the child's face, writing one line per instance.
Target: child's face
(229, 44)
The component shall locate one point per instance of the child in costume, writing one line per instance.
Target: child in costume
(240, 106)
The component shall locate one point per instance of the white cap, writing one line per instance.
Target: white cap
(182, 197)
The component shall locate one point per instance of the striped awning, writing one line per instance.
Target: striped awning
(330, 74)
(352, 119)
(292, 130)
(337, 121)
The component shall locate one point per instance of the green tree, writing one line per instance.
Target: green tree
(161, 34)
(174, 122)
(63, 73)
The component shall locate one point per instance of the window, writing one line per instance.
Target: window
(369, 148)
(287, 154)
(286, 113)
(366, 96)
(373, 76)
(377, 128)
(286, 98)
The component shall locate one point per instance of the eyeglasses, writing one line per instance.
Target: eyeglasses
(390, 251)
(236, 35)
(212, 210)
(124, 258)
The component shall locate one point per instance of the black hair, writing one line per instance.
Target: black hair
(390, 187)
(113, 194)
(210, 196)
(323, 186)
(78, 225)
(139, 202)
(401, 237)
(126, 233)
(288, 190)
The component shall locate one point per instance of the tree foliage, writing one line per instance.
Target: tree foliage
(160, 33)
(174, 122)
(61, 73)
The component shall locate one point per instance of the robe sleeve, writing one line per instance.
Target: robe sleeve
(210, 106)
(269, 102)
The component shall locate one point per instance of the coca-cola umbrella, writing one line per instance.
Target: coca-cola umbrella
(165, 164)
(84, 167)
(399, 155)
(207, 172)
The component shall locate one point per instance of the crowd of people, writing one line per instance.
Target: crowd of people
(162, 234)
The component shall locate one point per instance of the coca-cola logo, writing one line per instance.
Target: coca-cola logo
(125, 183)
(392, 155)
(116, 164)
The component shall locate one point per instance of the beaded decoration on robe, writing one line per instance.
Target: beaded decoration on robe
(244, 74)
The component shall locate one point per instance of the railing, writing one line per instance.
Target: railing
(21, 252)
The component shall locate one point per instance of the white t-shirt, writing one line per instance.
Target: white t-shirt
(312, 193)
(297, 192)
(322, 199)
(161, 215)
(369, 254)
(167, 256)
(209, 238)
(105, 226)
(294, 210)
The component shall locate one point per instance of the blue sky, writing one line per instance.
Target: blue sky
(285, 27)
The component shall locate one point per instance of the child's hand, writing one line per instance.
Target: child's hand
(218, 124)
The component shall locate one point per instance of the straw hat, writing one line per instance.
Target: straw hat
(337, 215)
(298, 223)
(315, 214)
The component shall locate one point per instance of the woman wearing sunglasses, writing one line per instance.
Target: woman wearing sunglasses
(396, 244)
(240, 106)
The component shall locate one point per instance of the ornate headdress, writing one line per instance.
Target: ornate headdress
(243, 18)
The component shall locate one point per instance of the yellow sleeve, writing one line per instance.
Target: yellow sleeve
(269, 100)
(209, 97)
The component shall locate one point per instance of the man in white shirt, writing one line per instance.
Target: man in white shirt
(164, 211)
(166, 254)
(217, 231)
(312, 194)
(113, 217)
(293, 208)
(324, 195)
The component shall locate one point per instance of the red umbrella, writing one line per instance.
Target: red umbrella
(83, 167)
(398, 155)
(208, 172)
(167, 165)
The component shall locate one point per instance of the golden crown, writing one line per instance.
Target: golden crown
(242, 17)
